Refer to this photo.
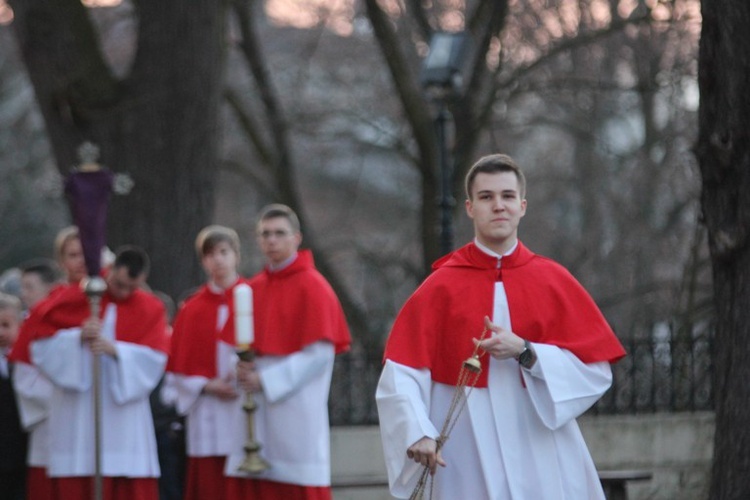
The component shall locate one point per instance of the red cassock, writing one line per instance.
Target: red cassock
(141, 319)
(546, 303)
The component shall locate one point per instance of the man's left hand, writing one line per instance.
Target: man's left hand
(503, 344)
(100, 345)
(248, 377)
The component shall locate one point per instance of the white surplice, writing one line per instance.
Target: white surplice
(211, 422)
(517, 439)
(128, 441)
(33, 393)
(291, 422)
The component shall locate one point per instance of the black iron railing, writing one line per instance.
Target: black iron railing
(669, 375)
(658, 374)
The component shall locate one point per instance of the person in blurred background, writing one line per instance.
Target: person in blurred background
(299, 328)
(38, 278)
(69, 254)
(12, 436)
(131, 338)
(201, 371)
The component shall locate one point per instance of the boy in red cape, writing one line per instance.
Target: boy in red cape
(545, 355)
(201, 372)
(33, 388)
(299, 328)
(131, 338)
(13, 438)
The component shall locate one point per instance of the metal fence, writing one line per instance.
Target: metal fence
(664, 374)
(658, 374)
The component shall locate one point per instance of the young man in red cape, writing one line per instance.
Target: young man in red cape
(299, 328)
(201, 372)
(131, 338)
(545, 350)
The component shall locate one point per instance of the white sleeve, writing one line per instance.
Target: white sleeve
(33, 392)
(288, 374)
(562, 387)
(135, 372)
(64, 359)
(183, 390)
(403, 400)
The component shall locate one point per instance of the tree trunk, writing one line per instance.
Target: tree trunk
(723, 152)
(159, 124)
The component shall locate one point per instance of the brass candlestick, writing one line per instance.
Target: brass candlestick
(253, 462)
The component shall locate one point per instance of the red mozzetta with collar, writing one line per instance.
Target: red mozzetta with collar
(21, 352)
(547, 305)
(141, 318)
(294, 307)
(195, 332)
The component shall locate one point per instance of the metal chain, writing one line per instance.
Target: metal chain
(468, 376)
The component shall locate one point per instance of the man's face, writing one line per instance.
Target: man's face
(221, 262)
(9, 324)
(277, 239)
(33, 289)
(72, 260)
(496, 208)
(120, 285)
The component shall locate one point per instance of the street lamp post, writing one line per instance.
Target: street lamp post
(442, 80)
(447, 201)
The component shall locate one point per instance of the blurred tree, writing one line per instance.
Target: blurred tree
(158, 121)
(598, 73)
(30, 206)
(723, 151)
(326, 113)
(597, 99)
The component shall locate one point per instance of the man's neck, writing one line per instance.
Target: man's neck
(499, 250)
(223, 284)
(283, 264)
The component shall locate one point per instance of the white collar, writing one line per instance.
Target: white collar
(493, 253)
(288, 262)
(214, 288)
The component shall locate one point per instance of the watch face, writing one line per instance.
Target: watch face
(525, 358)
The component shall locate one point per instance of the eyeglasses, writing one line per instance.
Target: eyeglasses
(278, 233)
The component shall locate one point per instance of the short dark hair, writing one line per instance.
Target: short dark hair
(278, 210)
(491, 164)
(134, 259)
(46, 269)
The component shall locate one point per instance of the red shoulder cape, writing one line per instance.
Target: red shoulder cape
(21, 351)
(293, 308)
(141, 318)
(195, 335)
(435, 327)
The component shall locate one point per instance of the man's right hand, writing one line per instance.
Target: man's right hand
(91, 329)
(425, 452)
(222, 389)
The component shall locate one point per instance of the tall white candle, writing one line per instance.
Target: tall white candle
(243, 316)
